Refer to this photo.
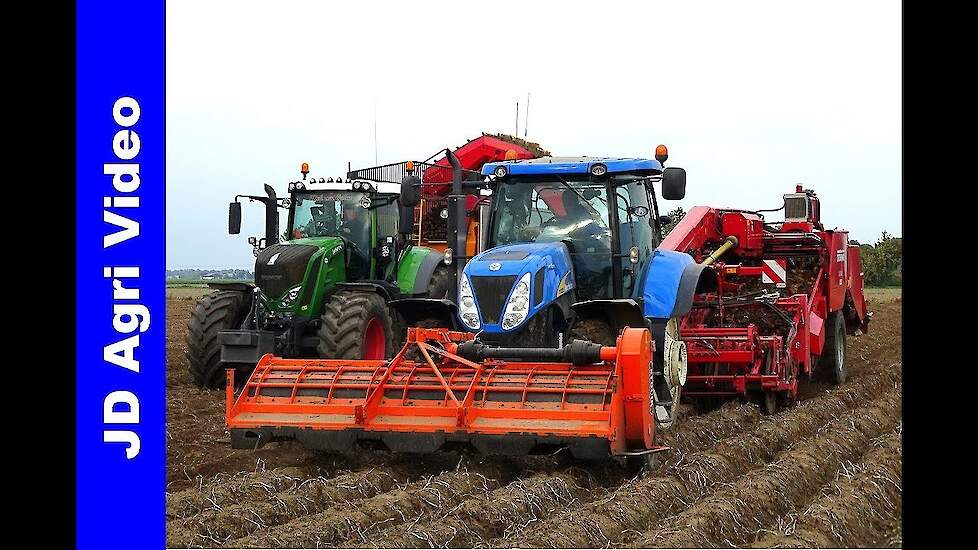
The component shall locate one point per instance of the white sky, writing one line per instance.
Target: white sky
(750, 97)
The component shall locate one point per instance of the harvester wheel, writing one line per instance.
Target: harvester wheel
(441, 282)
(356, 325)
(833, 361)
(217, 311)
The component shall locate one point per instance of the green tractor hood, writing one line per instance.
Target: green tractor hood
(291, 276)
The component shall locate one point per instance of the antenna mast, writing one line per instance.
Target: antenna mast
(526, 116)
(517, 134)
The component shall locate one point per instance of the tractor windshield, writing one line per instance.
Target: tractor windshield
(574, 212)
(334, 214)
(598, 233)
(551, 211)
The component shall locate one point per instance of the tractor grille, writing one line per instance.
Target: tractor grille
(491, 294)
(287, 269)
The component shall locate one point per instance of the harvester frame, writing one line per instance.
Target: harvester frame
(786, 296)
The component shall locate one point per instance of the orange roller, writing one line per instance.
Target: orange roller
(444, 389)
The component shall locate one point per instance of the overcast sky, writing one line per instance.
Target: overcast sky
(750, 97)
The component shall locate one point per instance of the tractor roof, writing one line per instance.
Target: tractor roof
(379, 186)
(572, 165)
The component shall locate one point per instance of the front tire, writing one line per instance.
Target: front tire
(217, 311)
(833, 360)
(355, 325)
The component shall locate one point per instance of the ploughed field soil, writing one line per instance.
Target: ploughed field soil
(825, 472)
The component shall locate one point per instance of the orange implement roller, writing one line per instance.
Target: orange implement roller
(445, 389)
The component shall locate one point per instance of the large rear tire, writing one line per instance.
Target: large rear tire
(355, 325)
(833, 360)
(217, 311)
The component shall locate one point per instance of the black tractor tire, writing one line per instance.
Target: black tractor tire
(833, 360)
(441, 282)
(217, 311)
(345, 319)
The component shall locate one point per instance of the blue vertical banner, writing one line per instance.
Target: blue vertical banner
(120, 274)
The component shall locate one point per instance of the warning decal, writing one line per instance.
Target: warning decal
(774, 272)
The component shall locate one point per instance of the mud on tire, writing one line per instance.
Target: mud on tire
(344, 323)
(217, 311)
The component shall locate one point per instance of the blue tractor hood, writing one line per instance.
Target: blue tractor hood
(493, 275)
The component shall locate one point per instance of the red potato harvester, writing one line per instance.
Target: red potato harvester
(786, 296)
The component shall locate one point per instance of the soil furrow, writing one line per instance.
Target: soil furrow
(858, 509)
(353, 523)
(636, 504)
(733, 514)
(507, 510)
(220, 524)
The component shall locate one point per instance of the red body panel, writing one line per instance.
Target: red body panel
(472, 155)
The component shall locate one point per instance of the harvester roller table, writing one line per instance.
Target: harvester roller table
(442, 398)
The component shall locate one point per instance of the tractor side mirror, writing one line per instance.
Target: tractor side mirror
(409, 198)
(673, 183)
(410, 191)
(234, 218)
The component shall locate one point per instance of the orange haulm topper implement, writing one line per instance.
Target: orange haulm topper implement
(445, 389)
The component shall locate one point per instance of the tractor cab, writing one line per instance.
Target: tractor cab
(362, 215)
(562, 231)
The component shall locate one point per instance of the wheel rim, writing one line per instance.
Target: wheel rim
(373, 340)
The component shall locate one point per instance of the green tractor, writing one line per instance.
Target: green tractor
(321, 288)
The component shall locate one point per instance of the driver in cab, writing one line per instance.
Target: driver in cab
(578, 221)
(355, 228)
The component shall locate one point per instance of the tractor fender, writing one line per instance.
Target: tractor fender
(415, 310)
(246, 287)
(618, 313)
(695, 278)
(425, 269)
(669, 283)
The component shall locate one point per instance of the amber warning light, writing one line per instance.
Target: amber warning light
(661, 154)
(304, 169)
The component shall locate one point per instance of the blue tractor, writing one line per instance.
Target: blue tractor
(571, 253)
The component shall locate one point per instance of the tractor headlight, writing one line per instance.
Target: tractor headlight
(518, 306)
(501, 171)
(466, 304)
(291, 296)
